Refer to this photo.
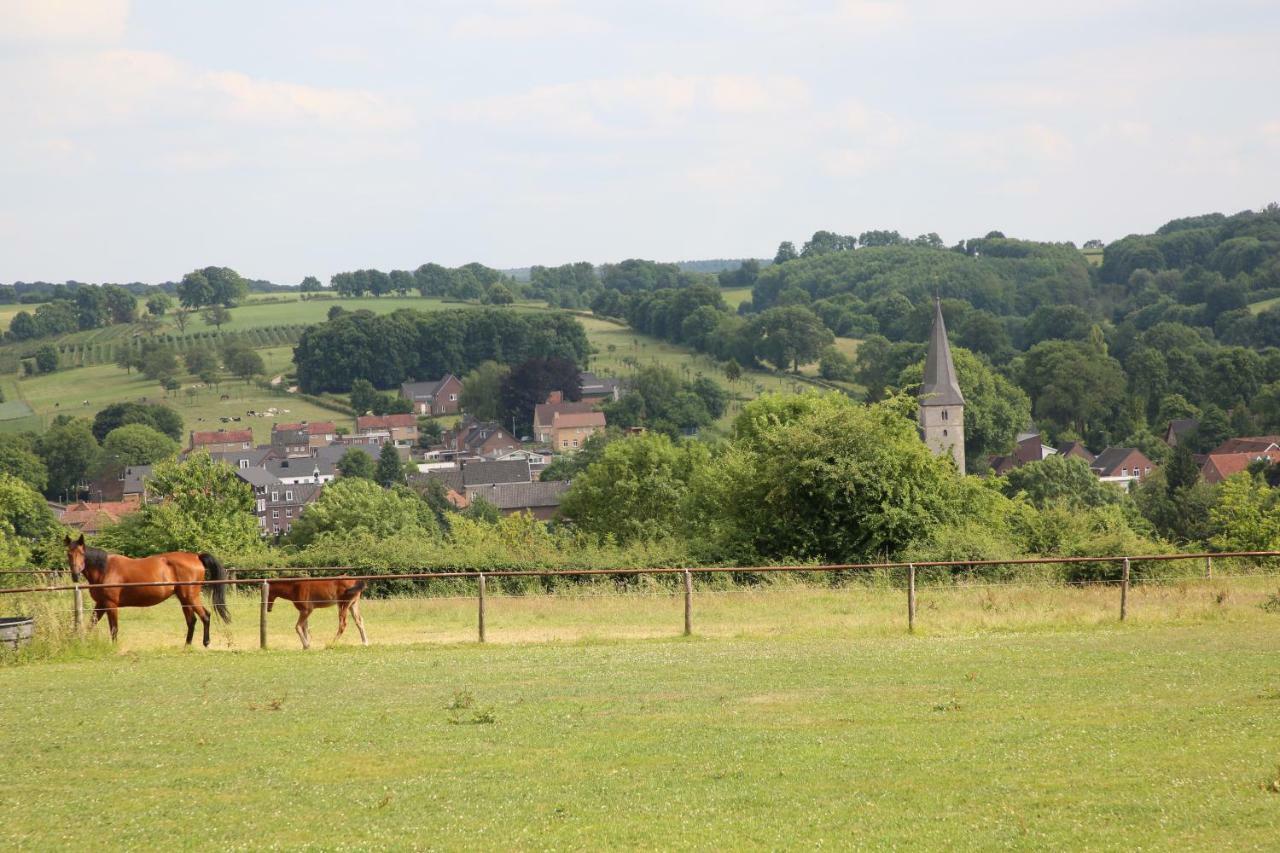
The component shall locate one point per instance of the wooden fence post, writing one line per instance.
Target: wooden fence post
(78, 607)
(262, 615)
(688, 602)
(1124, 591)
(911, 597)
(1208, 567)
(480, 614)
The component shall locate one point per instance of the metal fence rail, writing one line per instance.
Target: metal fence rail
(686, 574)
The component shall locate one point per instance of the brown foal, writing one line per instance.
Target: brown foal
(308, 594)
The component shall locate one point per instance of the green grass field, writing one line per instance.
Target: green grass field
(1259, 307)
(1018, 717)
(67, 391)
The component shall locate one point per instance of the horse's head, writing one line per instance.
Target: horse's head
(75, 554)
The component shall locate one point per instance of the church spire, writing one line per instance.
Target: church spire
(940, 387)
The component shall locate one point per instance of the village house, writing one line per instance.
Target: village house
(1029, 448)
(1179, 429)
(221, 440)
(478, 439)
(1076, 450)
(441, 397)
(1249, 444)
(597, 389)
(508, 485)
(301, 438)
(1219, 466)
(565, 425)
(400, 429)
(92, 517)
(1124, 466)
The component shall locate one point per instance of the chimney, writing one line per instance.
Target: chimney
(555, 397)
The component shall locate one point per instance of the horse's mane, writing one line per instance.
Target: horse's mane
(96, 559)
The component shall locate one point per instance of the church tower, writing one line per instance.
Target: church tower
(941, 403)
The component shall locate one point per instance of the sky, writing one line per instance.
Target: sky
(285, 138)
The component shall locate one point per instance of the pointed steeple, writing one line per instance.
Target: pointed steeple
(940, 387)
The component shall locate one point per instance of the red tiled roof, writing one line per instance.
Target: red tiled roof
(1247, 443)
(1219, 466)
(93, 517)
(219, 436)
(577, 419)
(386, 421)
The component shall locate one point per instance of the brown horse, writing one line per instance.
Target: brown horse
(179, 573)
(308, 594)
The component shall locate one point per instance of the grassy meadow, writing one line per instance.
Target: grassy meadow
(1020, 717)
(83, 391)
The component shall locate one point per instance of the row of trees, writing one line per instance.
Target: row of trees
(469, 282)
(389, 349)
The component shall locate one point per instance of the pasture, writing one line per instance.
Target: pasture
(1017, 717)
(82, 391)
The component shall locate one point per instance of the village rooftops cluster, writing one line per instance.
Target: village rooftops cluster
(474, 459)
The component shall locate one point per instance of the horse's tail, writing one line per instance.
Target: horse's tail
(215, 571)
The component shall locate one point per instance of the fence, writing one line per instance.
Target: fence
(686, 577)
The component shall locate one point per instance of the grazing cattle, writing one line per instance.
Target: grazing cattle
(179, 573)
(308, 594)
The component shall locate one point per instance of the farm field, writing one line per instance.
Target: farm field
(1259, 307)
(99, 385)
(735, 296)
(794, 718)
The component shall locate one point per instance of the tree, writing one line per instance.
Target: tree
(216, 315)
(158, 304)
(18, 459)
(1070, 383)
(352, 506)
(311, 284)
(47, 359)
(157, 415)
(789, 337)
(531, 382)
(136, 444)
(833, 365)
(482, 391)
(25, 521)
(127, 358)
(1246, 516)
(195, 291)
(1181, 472)
(246, 364)
(121, 304)
(786, 252)
(637, 488)
(1060, 480)
(390, 470)
(198, 505)
(732, 370)
(363, 396)
(69, 451)
(820, 477)
(200, 360)
(158, 361)
(356, 463)
(181, 317)
(498, 294)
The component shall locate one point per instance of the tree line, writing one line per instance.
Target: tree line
(390, 349)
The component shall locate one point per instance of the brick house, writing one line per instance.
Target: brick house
(1124, 466)
(1076, 450)
(400, 429)
(565, 425)
(221, 440)
(483, 439)
(301, 438)
(1179, 429)
(441, 397)
(1249, 444)
(1219, 466)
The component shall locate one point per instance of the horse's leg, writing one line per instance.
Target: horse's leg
(203, 613)
(355, 614)
(114, 621)
(301, 627)
(342, 620)
(191, 621)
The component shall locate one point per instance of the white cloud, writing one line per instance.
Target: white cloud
(28, 21)
(640, 104)
(532, 19)
(241, 97)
